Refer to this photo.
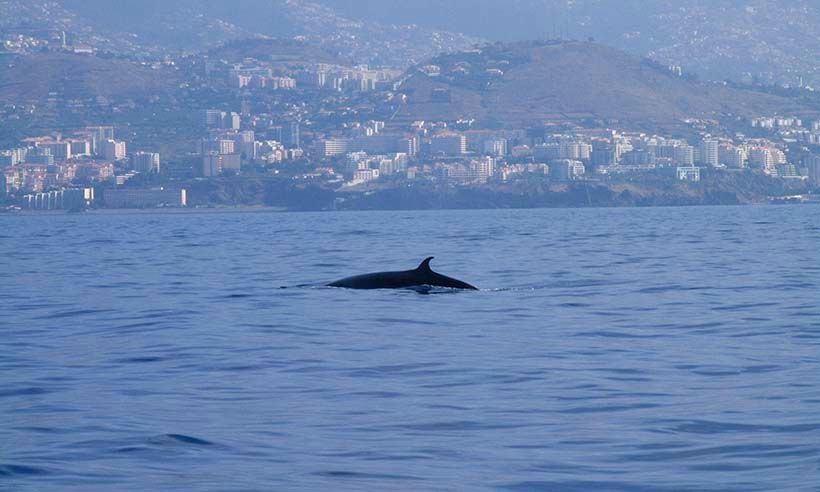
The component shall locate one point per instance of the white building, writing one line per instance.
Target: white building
(485, 168)
(566, 169)
(573, 150)
(450, 144)
(333, 147)
(409, 146)
(60, 150)
(213, 117)
(496, 147)
(145, 162)
(684, 155)
(733, 157)
(547, 152)
(396, 164)
(245, 144)
(688, 173)
(813, 163)
(214, 163)
(708, 153)
(113, 150)
(764, 158)
(787, 171)
(365, 175)
(80, 147)
(231, 121)
(220, 119)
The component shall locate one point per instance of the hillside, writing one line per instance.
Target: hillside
(32, 78)
(283, 51)
(765, 40)
(157, 28)
(531, 82)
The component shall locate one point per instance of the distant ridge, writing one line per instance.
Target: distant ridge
(533, 82)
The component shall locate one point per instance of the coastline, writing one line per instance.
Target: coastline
(221, 210)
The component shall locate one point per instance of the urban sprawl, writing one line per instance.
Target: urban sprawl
(282, 128)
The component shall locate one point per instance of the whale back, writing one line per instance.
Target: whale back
(436, 279)
(421, 275)
(424, 266)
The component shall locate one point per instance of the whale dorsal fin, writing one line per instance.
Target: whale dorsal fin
(425, 265)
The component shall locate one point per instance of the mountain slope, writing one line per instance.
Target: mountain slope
(765, 40)
(570, 80)
(276, 50)
(195, 25)
(35, 78)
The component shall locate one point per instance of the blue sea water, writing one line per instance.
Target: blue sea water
(662, 349)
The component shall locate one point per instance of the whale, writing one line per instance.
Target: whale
(423, 275)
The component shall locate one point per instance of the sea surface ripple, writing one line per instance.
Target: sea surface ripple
(664, 349)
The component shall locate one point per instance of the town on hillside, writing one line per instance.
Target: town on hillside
(255, 123)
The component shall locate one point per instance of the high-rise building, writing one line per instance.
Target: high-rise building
(547, 151)
(496, 147)
(291, 134)
(214, 163)
(409, 145)
(219, 119)
(40, 156)
(275, 133)
(8, 158)
(145, 162)
(684, 155)
(566, 149)
(733, 157)
(213, 118)
(566, 169)
(333, 147)
(211, 164)
(584, 151)
(60, 150)
(603, 154)
(708, 152)
(17, 155)
(99, 134)
(80, 147)
(231, 121)
(450, 144)
(787, 171)
(813, 163)
(485, 168)
(392, 166)
(225, 146)
(113, 150)
(569, 150)
(639, 157)
(762, 158)
(245, 144)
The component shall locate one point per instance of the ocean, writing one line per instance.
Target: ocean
(636, 349)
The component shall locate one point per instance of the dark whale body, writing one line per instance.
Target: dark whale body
(422, 275)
